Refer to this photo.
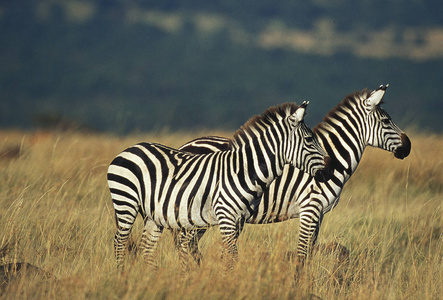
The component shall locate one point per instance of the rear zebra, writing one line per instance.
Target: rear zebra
(206, 145)
(356, 122)
(179, 190)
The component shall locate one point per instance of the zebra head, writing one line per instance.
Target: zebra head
(305, 152)
(382, 132)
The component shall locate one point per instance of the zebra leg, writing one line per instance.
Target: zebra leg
(120, 242)
(230, 231)
(124, 227)
(186, 242)
(148, 244)
(310, 222)
(193, 245)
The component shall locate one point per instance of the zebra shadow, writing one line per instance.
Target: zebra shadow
(11, 274)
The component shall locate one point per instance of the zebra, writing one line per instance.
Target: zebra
(344, 133)
(178, 190)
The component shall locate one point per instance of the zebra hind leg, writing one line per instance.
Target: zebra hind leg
(148, 244)
(120, 243)
(124, 227)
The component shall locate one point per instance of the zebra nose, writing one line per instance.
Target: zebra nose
(324, 174)
(405, 148)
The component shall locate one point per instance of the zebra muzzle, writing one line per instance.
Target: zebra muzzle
(324, 174)
(405, 148)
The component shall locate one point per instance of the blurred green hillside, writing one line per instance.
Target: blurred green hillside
(121, 66)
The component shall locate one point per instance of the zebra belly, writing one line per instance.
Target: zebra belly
(183, 206)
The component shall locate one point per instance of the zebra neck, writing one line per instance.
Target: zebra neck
(344, 147)
(256, 165)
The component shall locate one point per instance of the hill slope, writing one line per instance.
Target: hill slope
(120, 66)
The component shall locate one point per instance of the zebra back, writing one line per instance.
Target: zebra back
(206, 145)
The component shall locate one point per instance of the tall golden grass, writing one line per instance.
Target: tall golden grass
(56, 214)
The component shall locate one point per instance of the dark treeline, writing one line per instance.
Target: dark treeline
(109, 74)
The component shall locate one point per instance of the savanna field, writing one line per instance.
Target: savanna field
(384, 240)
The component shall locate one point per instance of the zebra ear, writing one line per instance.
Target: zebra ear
(299, 114)
(376, 96)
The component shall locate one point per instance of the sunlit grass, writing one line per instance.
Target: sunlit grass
(56, 214)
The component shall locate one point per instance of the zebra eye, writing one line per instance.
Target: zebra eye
(385, 121)
(308, 139)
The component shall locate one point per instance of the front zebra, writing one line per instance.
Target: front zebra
(356, 122)
(178, 190)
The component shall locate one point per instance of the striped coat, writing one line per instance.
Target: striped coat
(178, 190)
(358, 121)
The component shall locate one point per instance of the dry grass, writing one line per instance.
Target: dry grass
(56, 214)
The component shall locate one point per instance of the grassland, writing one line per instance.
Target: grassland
(56, 214)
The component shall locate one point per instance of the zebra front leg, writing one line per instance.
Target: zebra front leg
(186, 242)
(148, 244)
(310, 222)
(230, 231)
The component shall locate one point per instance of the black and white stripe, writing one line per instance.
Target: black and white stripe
(356, 122)
(178, 190)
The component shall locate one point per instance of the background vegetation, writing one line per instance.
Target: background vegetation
(56, 213)
(123, 66)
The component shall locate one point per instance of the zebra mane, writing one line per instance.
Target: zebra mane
(350, 101)
(270, 116)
